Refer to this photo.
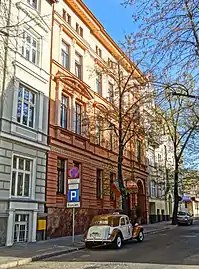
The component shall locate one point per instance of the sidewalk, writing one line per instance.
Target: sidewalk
(25, 253)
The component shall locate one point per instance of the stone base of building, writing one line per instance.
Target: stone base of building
(158, 218)
(60, 220)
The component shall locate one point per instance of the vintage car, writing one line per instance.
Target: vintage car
(112, 229)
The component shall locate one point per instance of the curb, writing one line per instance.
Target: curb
(38, 257)
(60, 252)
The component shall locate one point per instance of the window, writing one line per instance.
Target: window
(65, 50)
(98, 132)
(138, 150)
(68, 19)
(111, 138)
(30, 48)
(196, 206)
(78, 65)
(61, 175)
(81, 31)
(110, 92)
(76, 164)
(33, 3)
(77, 28)
(64, 14)
(153, 189)
(98, 51)
(99, 83)
(99, 184)
(136, 113)
(21, 177)
(64, 112)
(78, 109)
(21, 228)
(26, 106)
(112, 179)
(122, 221)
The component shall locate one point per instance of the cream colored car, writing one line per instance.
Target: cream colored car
(112, 229)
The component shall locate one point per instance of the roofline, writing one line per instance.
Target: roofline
(101, 27)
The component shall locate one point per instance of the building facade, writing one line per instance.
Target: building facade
(25, 62)
(79, 44)
(160, 163)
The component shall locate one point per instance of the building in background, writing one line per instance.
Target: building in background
(80, 43)
(25, 41)
(160, 164)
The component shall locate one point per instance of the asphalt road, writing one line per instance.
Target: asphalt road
(177, 248)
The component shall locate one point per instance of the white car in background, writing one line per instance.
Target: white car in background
(184, 217)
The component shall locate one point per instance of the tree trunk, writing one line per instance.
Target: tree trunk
(176, 197)
(125, 198)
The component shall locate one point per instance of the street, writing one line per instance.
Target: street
(175, 248)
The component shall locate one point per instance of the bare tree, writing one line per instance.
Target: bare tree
(168, 33)
(120, 119)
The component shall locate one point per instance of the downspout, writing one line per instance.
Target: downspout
(6, 33)
(48, 140)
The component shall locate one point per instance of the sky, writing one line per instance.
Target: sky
(116, 19)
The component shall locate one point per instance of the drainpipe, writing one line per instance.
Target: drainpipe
(6, 33)
(52, 25)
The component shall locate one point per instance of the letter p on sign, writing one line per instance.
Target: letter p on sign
(73, 195)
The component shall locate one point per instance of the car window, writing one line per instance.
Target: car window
(181, 213)
(122, 221)
(127, 220)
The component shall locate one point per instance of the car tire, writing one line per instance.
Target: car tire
(140, 237)
(191, 222)
(88, 245)
(118, 241)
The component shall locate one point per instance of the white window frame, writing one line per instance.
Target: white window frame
(65, 48)
(153, 188)
(27, 223)
(17, 170)
(30, 104)
(26, 44)
(30, 2)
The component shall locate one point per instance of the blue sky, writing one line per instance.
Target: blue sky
(116, 19)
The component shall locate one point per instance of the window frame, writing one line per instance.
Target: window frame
(17, 170)
(30, 2)
(112, 178)
(98, 83)
(138, 151)
(28, 103)
(66, 106)
(110, 92)
(78, 65)
(61, 182)
(26, 44)
(78, 120)
(99, 184)
(65, 54)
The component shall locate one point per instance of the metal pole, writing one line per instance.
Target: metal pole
(73, 235)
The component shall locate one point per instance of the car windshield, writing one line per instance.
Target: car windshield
(182, 213)
(110, 221)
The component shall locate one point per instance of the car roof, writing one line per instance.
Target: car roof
(114, 215)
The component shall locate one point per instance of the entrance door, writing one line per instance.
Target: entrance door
(21, 228)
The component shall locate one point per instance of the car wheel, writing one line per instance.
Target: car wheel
(140, 237)
(191, 222)
(88, 245)
(118, 241)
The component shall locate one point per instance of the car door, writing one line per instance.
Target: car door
(123, 227)
(129, 228)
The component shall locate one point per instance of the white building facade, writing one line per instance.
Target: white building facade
(25, 42)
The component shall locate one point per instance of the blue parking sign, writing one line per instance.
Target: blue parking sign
(73, 196)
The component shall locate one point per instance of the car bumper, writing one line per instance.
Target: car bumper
(102, 241)
(183, 221)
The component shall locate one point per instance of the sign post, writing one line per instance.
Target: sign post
(73, 195)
